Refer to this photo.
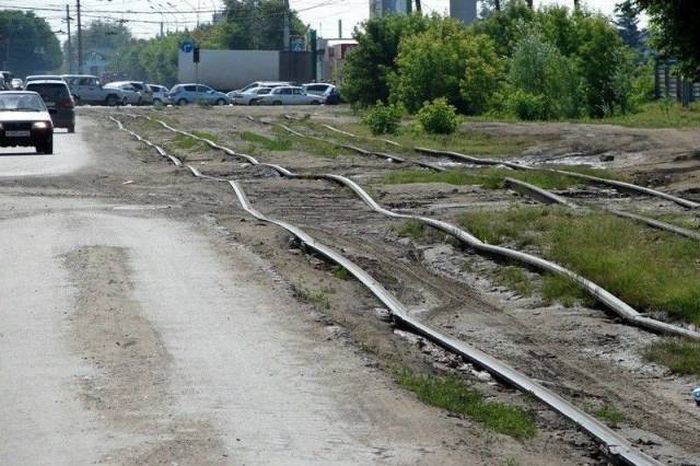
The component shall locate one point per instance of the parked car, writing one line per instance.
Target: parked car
(249, 97)
(16, 84)
(130, 96)
(86, 89)
(289, 95)
(25, 121)
(183, 94)
(331, 96)
(260, 84)
(42, 77)
(316, 88)
(160, 94)
(142, 88)
(58, 101)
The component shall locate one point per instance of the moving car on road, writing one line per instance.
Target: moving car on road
(87, 89)
(289, 95)
(183, 94)
(249, 97)
(58, 101)
(25, 121)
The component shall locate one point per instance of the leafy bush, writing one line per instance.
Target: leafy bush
(445, 60)
(438, 117)
(529, 106)
(382, 119)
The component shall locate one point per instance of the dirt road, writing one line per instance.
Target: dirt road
(136, 330)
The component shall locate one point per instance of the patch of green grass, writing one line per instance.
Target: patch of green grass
(341, 272)
(451, 394)
(562, 289)
(206, 135)
(186, 142)
(661, 114)
(279, 143)
(650, 270)
(610, 415)
(681, 220)
(489, 178)
(318, 297)
(681, 356)
(411, 229)
(516, 279)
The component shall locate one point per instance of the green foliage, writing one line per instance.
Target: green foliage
(276, 144)
(451, 394)
(610, 414)
(153, 60)
(445, 61)
(516, 279)
(674, 29)
(27, 44)
(368, 66)
(613, 252)
(251, 24)
(412, 229)
(382, 119)
(528, 106)
(438, 117)
(545, 82)
(681, 356)
(99, 36)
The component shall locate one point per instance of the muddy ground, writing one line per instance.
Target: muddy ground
(582, 352)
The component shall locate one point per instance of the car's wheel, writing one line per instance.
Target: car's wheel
(277, 102)
(71, 129)
(220, 102)
(140, 101)
(76, 100)
(112, 100)
(182, 102)
(46, 147)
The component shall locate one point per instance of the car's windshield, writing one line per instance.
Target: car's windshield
(21, 103)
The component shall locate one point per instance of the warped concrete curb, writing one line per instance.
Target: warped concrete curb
(616, 446)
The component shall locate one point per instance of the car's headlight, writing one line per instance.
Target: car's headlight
(40, 125)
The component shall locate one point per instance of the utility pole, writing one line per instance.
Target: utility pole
(70, 47)
(577, 5)
(161, 29)
(285, 26)
(340, 28)
(80, 41)
(529, 3)
(497, 4)
(419, 8)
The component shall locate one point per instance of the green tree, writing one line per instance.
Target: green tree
(674, 26)
(253, 24)
(539, 69)
(627, 22)
(27, 44)
(445, 61)
(368, 67)
(99, 36)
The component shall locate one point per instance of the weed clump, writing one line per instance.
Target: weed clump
(681, 356)
(451, 394)
(438, 117)
(382, 119)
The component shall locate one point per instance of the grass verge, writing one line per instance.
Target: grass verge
(489, 178)
(279, 143)
(451, 394)
(186, 142)
(609, 414)
(681, 356)
(652, 271)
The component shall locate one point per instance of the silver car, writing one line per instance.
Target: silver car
(129, 93)
(160, 94)
(290, 95)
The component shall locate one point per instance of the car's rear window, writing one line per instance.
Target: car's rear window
(50, 92)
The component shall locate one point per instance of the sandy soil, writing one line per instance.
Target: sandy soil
(147, 320)
(582, 352)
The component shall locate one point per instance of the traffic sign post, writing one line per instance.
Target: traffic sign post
(195, 60)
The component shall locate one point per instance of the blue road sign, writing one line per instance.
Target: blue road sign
(187, 47)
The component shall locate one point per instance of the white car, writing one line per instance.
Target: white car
(129, 93)
(249, 97)
(160, 94)
(289, 95)
(317, 88)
